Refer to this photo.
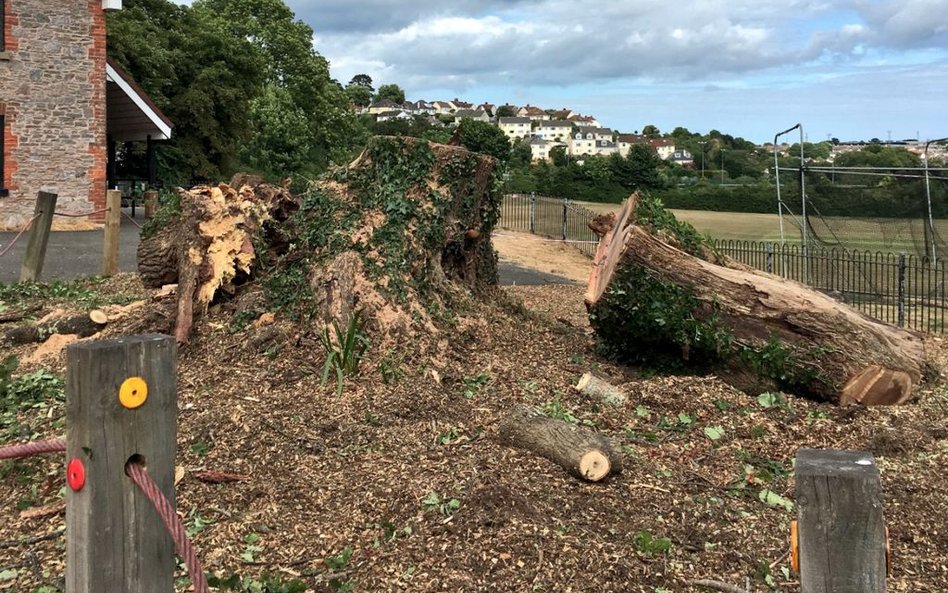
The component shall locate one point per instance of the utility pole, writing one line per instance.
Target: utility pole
(722, 166)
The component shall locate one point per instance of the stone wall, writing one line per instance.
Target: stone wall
(52, 94)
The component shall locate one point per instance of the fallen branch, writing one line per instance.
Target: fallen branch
(80, 325)
(594, 387)
(32, 540)
(47, 510)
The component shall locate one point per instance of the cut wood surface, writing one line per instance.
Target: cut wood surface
(582, 452)
(599, 389)
(854, 358)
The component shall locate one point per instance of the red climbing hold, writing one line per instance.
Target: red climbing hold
(76, 475)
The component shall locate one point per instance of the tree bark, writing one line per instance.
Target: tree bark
(598, 389)
(585, 454)
(80, 325)
(852, 357)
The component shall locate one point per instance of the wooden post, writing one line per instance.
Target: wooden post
(839, 522)
(115, 540)
(151, 203)
(39, 237)
(113, 225)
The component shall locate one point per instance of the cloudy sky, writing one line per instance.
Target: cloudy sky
(853, 69)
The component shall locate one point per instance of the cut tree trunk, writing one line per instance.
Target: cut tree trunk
(756, 330)
(80, 325)
(585, 454)
(598, 389)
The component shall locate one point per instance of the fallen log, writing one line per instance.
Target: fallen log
(80, 325)
(583, 453)
(654, 293)
(601, 390)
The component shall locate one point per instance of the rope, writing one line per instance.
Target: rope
(172, 522)
(100, 211)
(135, 222)
(32, 448)
(23, 230)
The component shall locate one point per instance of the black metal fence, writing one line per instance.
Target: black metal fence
(905, 290)
(550, 217)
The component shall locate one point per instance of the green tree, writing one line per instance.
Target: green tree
(282, 142)
(201, 77)
(651, 131)
(639, 169)
(392, 92)
(558, 156)
(520, 154)
(485, 138)
(506, 111)
(359, 95)
(363, 80)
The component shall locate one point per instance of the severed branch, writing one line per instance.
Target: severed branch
(718, 585)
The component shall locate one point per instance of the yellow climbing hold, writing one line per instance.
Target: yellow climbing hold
(133, 392)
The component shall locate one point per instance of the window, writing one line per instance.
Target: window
(4, 192)
(3, 25)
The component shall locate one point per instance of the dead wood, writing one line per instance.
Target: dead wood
(80, 325)
(585, 454)
(756, 330)
(600, 390)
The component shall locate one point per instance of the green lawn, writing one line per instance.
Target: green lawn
(872, 234)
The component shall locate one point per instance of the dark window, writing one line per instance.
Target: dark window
(3, 25)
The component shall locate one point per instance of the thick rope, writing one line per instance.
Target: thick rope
(32, 448)
(135, 222)
(100, 211)
(172, 522)
(15, 239)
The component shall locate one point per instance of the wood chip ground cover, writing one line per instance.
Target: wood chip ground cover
(403, 471)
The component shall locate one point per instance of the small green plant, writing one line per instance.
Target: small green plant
(391, 367)
(722, 405)
(649, 545)
(770, 399)
(267, 583)
(344, 350)
(390, 533)
(200, 448)
(473, 385)
(713, 432)
(196, 523)
(39, 390)
(446, 438)
(251, 547)
(557, 410)
(338, 564)
(446, 507)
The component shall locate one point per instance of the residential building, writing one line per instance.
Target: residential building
(665, 147)
(515, 127)
(475, 114)
(626, 141)
(683, 158)
(443, 107)
(580, 144)
(383, 106)
(559, 131)
(395, 114)
(586, 121)
(540, 148)
(64, 107)
(534, 113)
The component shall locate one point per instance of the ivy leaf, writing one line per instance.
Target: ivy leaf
(713, 432)
(8, 575)
(775, 500)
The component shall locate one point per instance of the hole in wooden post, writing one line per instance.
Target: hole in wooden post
(137, 460)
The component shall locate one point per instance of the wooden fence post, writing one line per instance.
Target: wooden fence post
(151, 203)
(113, 225)
(39, 237)
(115, 540)
(841, 531)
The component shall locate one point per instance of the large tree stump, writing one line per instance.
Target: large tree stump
(647, 295)
(397, 235)
(582, 452)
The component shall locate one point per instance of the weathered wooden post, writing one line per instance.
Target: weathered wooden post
(840, 527)
(39, 237)
(151, 203)
(113, 225)
(120, 406)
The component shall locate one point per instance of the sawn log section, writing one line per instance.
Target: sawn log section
(860, 359)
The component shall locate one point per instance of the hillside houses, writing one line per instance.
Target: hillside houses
(543, 129)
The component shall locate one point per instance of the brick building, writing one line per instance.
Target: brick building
(63, 106)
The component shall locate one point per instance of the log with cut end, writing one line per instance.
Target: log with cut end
(80, 325)
(582, 452)
(599, 389)
(770, 332)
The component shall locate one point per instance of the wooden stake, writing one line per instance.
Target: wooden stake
(39, 237)
(113, 224)
(839, 522)
(115, 538)
(151, 203)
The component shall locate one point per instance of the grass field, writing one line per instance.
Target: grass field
(871, 234)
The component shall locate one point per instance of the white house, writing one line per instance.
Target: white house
(514, 127)
(540, 148)
(559, 131)
(534, 113)
(475, 114)
(625, 142)
(585, 121)
(580, 144)
(665, 147)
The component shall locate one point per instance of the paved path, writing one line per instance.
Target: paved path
(79, 253)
